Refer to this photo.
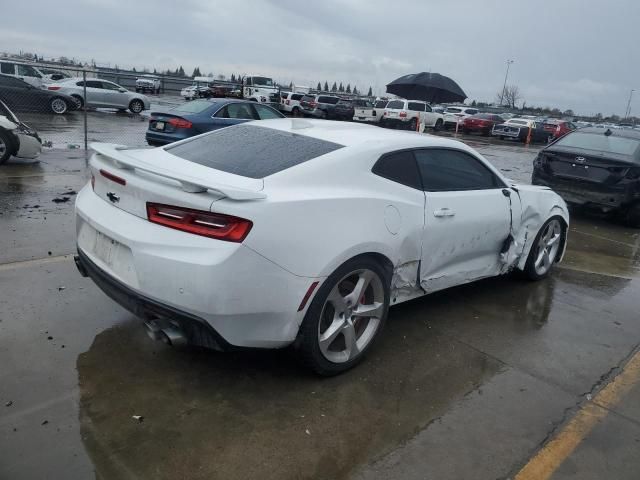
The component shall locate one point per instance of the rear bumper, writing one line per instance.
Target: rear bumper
(198, 331)
(586, 193)
(159, 138)
(248, 300)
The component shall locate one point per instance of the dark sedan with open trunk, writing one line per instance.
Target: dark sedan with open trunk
(594, 168)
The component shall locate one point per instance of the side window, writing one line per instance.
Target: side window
(13, 82)
(94, 84)
(240, 111)
(445, 170)
(222, 113)
(27, 71)
(265, 113)
(7, 68)
(399, 167)
(110, 86)
(416, 107)
(296, 96)
(429, 109)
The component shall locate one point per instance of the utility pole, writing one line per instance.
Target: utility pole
(504, 87)
(627, 112)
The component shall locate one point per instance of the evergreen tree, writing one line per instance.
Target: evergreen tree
(348, 90)
(370, 94)
(233, 77)
(181, 71)
(319, 87)
(133, 69)
(326, 86)
(334, 87)
(341, 88)
(196, 72)
(290, 85)
(155, 71)
(355, 90)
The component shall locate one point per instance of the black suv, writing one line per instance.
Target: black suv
(319, 106)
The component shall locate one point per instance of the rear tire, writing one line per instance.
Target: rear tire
(438, 126)
(546, 248)
(136, 106)
(296, 112)
(6, 147)
(333, 338)
(631, 216)
(413, 124)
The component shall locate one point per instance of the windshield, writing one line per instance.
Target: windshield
(600, 142)
(397, 104)
(264, 81)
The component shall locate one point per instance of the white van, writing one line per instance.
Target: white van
(23, 71)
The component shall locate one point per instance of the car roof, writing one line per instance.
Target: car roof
(357, 134)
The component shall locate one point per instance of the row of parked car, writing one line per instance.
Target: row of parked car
(411, 114)
(69, 94)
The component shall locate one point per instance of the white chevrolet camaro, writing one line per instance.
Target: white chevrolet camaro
(283, 232)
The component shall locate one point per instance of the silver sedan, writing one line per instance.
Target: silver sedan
(102, 94)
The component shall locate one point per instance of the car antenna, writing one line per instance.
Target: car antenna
(608, 132)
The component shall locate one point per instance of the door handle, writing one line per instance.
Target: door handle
(444, 212)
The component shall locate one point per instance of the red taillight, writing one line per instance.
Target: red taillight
(53, 88)
(198, 222)
(402, 114)
(287, 102)
(180, 123)
(313, 104)
(112, 177)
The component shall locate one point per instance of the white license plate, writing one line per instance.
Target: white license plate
(159, 125)
(106, 248)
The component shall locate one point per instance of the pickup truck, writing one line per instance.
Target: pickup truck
(407, 113)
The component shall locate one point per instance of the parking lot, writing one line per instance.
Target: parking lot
(498, 379)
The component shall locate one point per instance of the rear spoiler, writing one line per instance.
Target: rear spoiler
(116, 154)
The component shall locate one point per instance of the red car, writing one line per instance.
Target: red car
(558, 128)
(481, 122)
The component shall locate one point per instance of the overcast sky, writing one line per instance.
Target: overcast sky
(578, 54)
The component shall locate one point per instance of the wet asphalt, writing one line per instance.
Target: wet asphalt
(466, 383)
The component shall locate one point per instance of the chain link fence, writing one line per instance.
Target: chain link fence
(70, 107)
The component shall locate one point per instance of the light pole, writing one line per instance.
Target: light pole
(627, 112)
(504, 87)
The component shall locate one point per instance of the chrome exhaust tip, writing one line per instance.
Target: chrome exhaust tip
(166, 331)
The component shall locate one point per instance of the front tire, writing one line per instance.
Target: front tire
(58, 106)
(345, 317)
(79, 101)
(136, 106)
(546, 249)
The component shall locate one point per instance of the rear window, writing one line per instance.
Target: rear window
(517, 122)
(330, 100)
(344, 102)
(453, 110)
(309, 98)
(416, 106)
(252, 151)
(397, 104)
(381, 104)
(471, 111)
(296, 96)
(195, 106)
(600, 142)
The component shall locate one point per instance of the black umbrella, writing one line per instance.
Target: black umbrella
(430, 87)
